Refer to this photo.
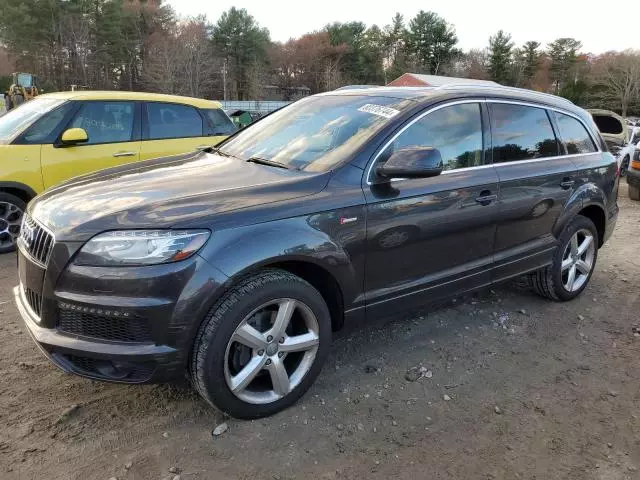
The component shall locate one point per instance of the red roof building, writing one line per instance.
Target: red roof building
(419, 80)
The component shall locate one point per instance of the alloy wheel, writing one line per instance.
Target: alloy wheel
(271, 351)
(578, 260)
(10, 220)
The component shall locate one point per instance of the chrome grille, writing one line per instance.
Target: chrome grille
(37, 241)
(34, 300)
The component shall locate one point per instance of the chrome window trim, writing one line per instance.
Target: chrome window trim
(486, 100)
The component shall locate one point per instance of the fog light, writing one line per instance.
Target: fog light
(97, 311)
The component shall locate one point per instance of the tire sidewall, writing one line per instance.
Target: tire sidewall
(576, 224)
(214, 360)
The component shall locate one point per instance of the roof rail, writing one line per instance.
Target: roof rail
(453, 86)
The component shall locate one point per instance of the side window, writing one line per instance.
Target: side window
(105, 122)
(574, 135)
(169, 120)
(218, 123)
(455, 130)
(521, 133)
(44, 129)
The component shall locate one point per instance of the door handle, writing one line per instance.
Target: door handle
(567, 183)
(125, 154)
(486, 198)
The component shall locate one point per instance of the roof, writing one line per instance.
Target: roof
(418, 79)
(142, 96)
(459, 90)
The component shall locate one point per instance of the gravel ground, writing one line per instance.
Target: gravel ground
(499, 385)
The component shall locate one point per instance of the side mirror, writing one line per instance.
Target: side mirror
(414, 162)
(74, 136)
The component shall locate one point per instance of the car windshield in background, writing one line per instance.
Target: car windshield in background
(19, 118)
(316, 133)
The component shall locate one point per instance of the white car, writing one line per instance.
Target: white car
(621, 138)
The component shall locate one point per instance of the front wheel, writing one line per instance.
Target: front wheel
(262, 345)
(634, 193)
(573, 262)
(12, 209)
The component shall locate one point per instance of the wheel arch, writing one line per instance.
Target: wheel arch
(587, 200)
(310, 270)
(20, 190)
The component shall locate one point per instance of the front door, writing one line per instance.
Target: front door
(112, 128)
(432, 237)
(536, 181)
(172, 129)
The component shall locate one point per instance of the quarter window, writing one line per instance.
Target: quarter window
(218, 123)
(521, 133)
(105, 122)
(168, 120)
(574, 135)
(455, 130)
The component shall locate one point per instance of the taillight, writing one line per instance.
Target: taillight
(635, 164)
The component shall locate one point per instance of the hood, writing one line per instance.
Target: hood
(612, 126)
(166, 192)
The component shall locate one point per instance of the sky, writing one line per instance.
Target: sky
(475, 21)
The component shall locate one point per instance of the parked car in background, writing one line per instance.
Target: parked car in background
(618, 135)
(633, 174)
(233, 266)
(61, 135)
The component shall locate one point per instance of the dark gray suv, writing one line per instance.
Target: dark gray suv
(233, 266)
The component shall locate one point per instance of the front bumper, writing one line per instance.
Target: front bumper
(82, 322)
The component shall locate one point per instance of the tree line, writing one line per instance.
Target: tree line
(145, 45)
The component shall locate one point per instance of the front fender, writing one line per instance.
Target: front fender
(585, 195)
(303, 239)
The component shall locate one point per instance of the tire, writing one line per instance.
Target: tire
(634, 193)
(215, 354)
(550, 281)
(624, 166)
(17, 100)
(11, 210)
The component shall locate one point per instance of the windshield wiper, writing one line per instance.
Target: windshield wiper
(271, 163)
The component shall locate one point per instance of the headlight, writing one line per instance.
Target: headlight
(141, 247)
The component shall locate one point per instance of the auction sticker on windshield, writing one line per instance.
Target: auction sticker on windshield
(379, 110)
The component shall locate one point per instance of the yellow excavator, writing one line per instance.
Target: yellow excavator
(24, 87)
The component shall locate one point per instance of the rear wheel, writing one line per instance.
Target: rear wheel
(262, 345)
(624, 166)
(634, 193)
(12, 209)
(573, 262)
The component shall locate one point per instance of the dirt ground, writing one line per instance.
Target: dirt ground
(520, 388)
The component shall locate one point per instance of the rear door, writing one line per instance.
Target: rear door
(536, 181)
(172, 129)
(113, 129)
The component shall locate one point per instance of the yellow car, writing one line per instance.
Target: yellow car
(61, 135)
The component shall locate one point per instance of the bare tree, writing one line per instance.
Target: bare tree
(618, 75)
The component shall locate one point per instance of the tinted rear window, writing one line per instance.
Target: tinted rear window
(521, 133)
(574, 135)
(169, 120)
(607, 124)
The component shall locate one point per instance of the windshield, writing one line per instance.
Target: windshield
(20, 118)
(316, 133)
